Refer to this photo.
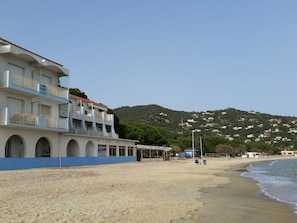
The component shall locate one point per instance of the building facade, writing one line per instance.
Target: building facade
(42, 125)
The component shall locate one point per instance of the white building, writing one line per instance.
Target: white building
(42, 126)
(288, 153)
(253, 155)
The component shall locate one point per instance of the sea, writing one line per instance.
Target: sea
(277, 179)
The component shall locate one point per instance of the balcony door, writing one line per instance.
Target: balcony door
(41, 78)
(17, 74)
(14, 104)
(46, 80)
(45, 110)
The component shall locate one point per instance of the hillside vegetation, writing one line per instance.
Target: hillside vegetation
(239, 129)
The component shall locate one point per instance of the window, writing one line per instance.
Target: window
(45, 110)
(112, 150)
(46, 80)
(101, 150)
(130, 151)
(15, 105)
(122, 151)
(17, 74)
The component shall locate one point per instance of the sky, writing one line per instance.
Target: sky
(185, 55)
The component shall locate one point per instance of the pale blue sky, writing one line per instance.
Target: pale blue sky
(191, 55)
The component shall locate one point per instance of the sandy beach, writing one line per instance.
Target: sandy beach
(150, 191)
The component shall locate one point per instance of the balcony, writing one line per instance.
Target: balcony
(82, 131)
(31, 86)
(23, 119)
(89, 115)
(109, 119)
(77, 112)
(99, 119)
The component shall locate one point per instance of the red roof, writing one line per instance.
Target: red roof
(87, 100)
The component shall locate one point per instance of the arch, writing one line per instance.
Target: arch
(90, 149)
(15, 147)
(72, 148)
(43, 148)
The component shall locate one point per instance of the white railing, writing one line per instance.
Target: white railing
(109, 119)
(23, 118)
(7, 77)
(57, 91)
(76, 112)
(56, 123)
(29, 83)
(99, 117)
(89, 117)
(9, 117)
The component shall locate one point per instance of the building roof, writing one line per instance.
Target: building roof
(88, 101)
(8, 42)
(149, 147)
(34, 58)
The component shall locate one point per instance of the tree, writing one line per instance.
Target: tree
(77, 92)
(210, 143)
(146, 134)
(129, 131)
(223, 148)
(241, 149)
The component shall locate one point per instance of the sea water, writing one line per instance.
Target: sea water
(277, 179)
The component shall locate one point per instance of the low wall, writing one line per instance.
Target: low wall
(29, 163)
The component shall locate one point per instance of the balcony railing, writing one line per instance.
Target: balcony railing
(23, 118)
(89, 117)
(109, 119)
(23, 81)
(99, 118)
(57, 91)
(12, 118)
(9, 80)
(76, 112)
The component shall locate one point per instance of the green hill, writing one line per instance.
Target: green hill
(233, 124)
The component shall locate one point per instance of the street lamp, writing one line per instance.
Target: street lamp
(201, 147)
(193, 140)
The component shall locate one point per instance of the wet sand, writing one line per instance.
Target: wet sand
(150, 191)
(241, 201)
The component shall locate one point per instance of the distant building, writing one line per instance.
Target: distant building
(289, 153)
(253, 155)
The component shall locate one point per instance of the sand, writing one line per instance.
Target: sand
(150, 191)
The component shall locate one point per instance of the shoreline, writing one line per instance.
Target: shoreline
(242, 200)
(173, 191)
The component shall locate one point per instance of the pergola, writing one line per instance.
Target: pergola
(153, 152)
